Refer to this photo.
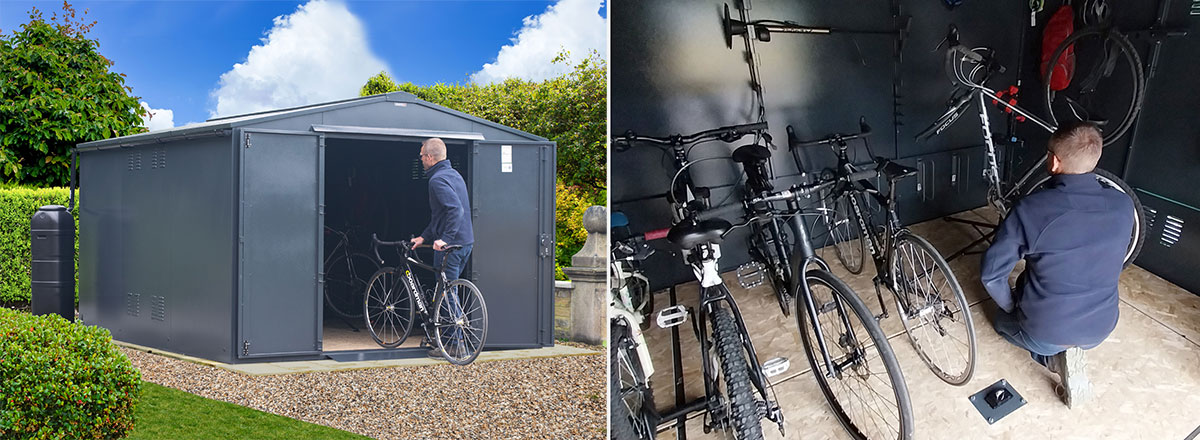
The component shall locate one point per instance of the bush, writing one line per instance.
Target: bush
(568, 226)
(17, 206)
(63, 380)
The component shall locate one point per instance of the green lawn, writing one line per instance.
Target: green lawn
(166, 413)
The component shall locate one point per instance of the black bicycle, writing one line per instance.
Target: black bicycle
(738, 394)
(346, 275)
(458, 322)
(850, 355)
(970, 69)
(930, 301)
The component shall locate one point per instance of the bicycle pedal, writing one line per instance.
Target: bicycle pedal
(776, 366)
(672, 316)
(751, 275)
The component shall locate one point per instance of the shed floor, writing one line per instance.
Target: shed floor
(1146, 375)
(339, 336)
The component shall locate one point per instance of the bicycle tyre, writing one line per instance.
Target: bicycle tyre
(388, 308)
(743, 407)
(1138, 236)
(857, 309)
(948, 375)
(843, 224)
(1136, 72)
(468, 320)
(623, 358)
(344, 291)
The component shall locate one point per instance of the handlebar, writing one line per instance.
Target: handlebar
(837, 138)
(727, 134)
(795, 192)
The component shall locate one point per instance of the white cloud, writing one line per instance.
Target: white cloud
(318, 53)
(574, 25)
(158, 119)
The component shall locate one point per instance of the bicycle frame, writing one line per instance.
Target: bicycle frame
(414, 285)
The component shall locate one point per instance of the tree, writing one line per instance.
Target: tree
(570, 110)
(56, 91)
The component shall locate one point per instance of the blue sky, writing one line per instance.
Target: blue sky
(180, 56)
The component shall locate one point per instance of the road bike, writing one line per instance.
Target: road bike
(457, 325)
(929, 299)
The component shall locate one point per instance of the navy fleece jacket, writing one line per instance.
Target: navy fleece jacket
(1073, 235)
(449, 208)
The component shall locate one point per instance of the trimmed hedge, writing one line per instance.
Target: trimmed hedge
(63, 380)
(17, 206)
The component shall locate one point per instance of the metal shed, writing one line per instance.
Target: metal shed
(206, 240)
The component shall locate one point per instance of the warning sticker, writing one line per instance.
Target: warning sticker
(506, 159)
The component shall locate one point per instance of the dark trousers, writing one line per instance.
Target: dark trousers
(454, 261)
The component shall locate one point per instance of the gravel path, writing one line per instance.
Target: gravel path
(520, 399)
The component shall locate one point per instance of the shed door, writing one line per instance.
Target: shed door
(512, 199)
(279, 299)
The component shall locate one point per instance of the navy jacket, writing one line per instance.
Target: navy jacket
(1073, 235)
(449, 208)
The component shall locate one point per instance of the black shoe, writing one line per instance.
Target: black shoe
(436, 353)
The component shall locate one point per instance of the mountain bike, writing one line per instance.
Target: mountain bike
(738, 393)
(346, 275)
(970, 69)
(458, 323)
(850, 356)
(929, 299)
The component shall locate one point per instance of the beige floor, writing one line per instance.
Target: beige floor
(1146, 375)
(340, 337)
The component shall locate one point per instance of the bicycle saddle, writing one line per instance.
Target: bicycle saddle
(687, 235)
(895, 171)
(451, 247)
(753, 158)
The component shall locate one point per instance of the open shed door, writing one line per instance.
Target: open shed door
(279, 291)
(512, 202)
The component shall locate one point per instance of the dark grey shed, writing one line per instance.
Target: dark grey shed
(206, 239)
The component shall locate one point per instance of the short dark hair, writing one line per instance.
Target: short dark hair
(1077, 145)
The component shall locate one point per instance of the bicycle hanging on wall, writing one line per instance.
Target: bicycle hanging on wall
(970, 70)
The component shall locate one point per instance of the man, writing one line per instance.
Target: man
(1073, 235)
(449, 213)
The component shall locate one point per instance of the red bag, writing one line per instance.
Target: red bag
(1061, 25)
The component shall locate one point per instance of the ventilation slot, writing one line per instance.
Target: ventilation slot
(418, 170)
(158, 308)
(158, 158)
(1172, 230)
(133, 160)
(133, 303)
(1151, 214)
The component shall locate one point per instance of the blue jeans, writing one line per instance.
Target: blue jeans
(1006, 325)
(454, 261)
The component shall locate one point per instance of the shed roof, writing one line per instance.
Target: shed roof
(221, 124)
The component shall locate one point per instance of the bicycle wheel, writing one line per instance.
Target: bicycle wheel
(460, 322)
(346, 281)
(629, 390)
(388, 308)
(1111, 60)
(870, 399)
(1110, 180)
(740, 405)
(934, 310)
(843, 226)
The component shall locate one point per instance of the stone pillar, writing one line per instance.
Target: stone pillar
(589, 279)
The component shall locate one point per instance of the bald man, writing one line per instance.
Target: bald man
(1072, 234)
(449, 210)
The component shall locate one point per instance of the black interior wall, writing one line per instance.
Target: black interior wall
(380, 187)
(672, 73)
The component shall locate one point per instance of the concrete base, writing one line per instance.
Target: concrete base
(296, 367)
